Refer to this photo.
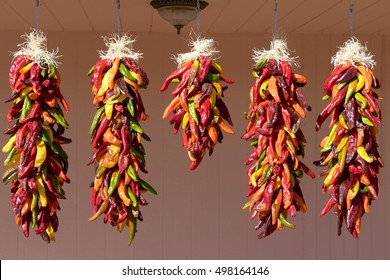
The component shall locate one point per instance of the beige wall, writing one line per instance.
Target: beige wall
(197, 215)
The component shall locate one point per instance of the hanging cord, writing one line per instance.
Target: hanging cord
(198, 17)
(37, 14)
(350, 17)
(118, 12)
(276, 36)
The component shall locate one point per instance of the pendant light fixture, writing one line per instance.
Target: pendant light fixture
(178, 12)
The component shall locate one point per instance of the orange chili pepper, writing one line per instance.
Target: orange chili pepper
(273, 89)
(134, 85)
(276, 207)
(171, 107)
(298, 108)
(279, 142)
(367, 78)
(224, 126)
(47, 118)
(256, 196)
(113, 71)
(103, 207)
(213, 133)
(122, 192)
(110, 137)
(26, 206)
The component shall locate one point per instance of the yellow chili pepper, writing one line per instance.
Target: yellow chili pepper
(10, 144)
(41, 190)
(41, 153)
(50, 232)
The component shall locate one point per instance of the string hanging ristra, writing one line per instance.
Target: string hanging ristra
(276, 36)
(350, 17)
(37, 5)
(118, 12)
(198, 17)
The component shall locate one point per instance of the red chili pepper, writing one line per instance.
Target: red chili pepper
(174, 75)
(205, 65)
(33, 114)
(97, 74)
(35, 73)
(97, 137)
(14, 111)
(286, 71)
(13, 73)
(225, 79)
(21, 81)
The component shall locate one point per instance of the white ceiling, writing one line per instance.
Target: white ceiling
(221, 16)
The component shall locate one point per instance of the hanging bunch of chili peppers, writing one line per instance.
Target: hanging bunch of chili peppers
(37, 164)
(276, 109)
(350, 151)
(116, 136)
(197, 104)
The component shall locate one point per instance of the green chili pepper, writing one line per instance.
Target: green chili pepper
(56, 185)
(132, 229)
(34, 218)
(96, 120)
(359, 97)
(58, 150)
(146, 137)
(134, 125)
(260, 160)
(91, 70)
(99, 171)
(192, 110)
(176, 80)
(266, 175)
(147, 186)
(340, 86)
(366, 121)
(130, 170)
(26, 107)
(132, 197)
(138, 154)
(213, 77)
(254, 143)
(363, 190)
(130, 106)
(126, 72)
(298, 172)
(57, 114)
(325, 97)
(10, 156)
(114, 181)
(43, 72)
(246, 205)
(44, 173)
(53, 71)
(34, 201)
(10, 174)
(285, 222)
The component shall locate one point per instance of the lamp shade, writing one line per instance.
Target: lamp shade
(178, 12)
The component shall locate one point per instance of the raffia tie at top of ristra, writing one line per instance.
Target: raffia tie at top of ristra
(199, 46)
(278, 51)
(119, 47)
(35, 49)
(353, 51)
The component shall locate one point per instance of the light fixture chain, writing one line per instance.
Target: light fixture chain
(198, 16)
(37, 5)
(276, 19)
(118, 12)
(350, 17)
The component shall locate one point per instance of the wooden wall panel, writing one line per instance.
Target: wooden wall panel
(197, 214)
